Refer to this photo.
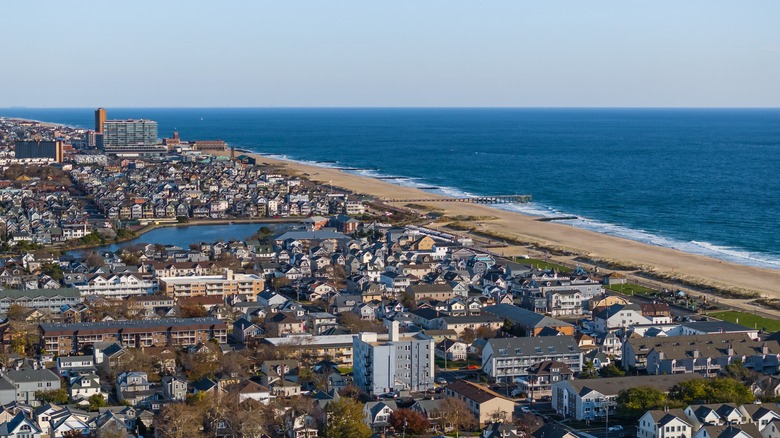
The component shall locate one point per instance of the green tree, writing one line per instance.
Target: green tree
(612, 371)
(588, 371)
(640, 399)
(53, 270)
(728, 390)
(96, 402)
(345, 420)
(412, 421)
(56, 396)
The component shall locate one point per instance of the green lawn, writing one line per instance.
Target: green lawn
(541, 264)
(631, 289)
(748, 320)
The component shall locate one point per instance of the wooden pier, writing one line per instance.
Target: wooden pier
(499, 199)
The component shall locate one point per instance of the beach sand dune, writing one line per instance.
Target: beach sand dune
(658, 260)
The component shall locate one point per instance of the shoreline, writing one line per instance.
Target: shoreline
(528, 233)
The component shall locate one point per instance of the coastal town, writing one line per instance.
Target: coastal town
(341, 315)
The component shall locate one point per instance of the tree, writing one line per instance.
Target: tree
(193, 311)
(178, 420)
(96, 402)
(345, 420)
(53, 270)
(468, 336)
(640, 399)
(612, 371)
(16, 312)
(56, 396)
(588, 371)
(456, 414)
(94, 260)
(413, 421)
(728, 390)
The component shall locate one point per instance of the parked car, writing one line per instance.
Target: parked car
(617, 428)
(441, 381)
(525, 410)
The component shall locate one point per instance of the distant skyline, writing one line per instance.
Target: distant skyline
(355, 53)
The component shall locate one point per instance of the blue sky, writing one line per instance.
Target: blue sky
(393, 53)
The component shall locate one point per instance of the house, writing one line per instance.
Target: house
(530, 322)
(541, 377)
(728, 431)
(84, 387)
(504, 359)
(499, 429)
(666, 423)
(74, 365)
(244, 330)
(174, 388)
(589, 399)
(28, 381)
(377, 414)
(552, 430)
(283, 323)
(451, 350)
(20, 427)
(618, 316)
(255, 391)
(484, 403)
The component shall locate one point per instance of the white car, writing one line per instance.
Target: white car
(525, 410)
(617, 428)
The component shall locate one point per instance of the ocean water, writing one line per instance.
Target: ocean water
(705, 181)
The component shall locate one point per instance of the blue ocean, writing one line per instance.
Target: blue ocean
(705, 181)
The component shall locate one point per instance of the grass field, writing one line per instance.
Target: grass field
(748, 320)
(541, 264)
(631, 289)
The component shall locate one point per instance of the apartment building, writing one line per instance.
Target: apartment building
(505, 359)
(224, 285)
(65, 339)
(381, 367)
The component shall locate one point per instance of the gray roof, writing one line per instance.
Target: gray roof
(31, 376)
(716, 326)
(68, 292)
(612, 386)
(524, 317)
(528, 346)
(142, 323)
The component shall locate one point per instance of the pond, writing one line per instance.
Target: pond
(185, 236)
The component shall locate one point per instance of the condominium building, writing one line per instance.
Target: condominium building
(52, 150)
(505, 359)
(43, 299)
(212, 285)
(117, 285)
(381, 367)
(131, 138)
(65, 339)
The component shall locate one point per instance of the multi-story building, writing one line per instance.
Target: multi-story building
(590, 399)
(29, 381)
(564, 302)
(710, 356)
(531, 322)
(117, 285)
(484, 403)
(131, 138)
(338, 348)
(505, 359)
(381, 367)
(53, 150)
(43, 299)
(64, 339)
(100, 119)
(212, 285)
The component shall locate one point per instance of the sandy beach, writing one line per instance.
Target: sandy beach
(657, 260)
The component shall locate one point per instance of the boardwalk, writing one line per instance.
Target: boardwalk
(500, 199)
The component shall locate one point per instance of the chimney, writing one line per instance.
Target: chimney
(764, 348)
(731, 349)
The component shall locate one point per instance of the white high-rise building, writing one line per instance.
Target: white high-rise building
(394, 365)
